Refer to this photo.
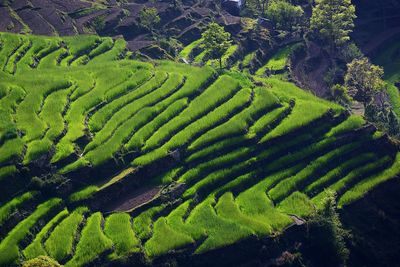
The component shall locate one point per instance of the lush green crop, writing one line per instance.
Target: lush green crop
(228, 155)
(118, 228)
(9, 245)
(59, 244)
(36, 248)
(11, 206)
(92, 242)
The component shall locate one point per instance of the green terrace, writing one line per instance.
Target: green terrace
(242, 155)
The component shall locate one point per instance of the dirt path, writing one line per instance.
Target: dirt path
(136, 199)
(314, 79)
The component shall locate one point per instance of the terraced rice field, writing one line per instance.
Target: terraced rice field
(234, 160)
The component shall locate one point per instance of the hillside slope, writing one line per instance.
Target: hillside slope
(108, 159)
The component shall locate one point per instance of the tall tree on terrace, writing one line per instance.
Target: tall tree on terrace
(363, 80)
(216, 41)
(333, 20)
(149, 18)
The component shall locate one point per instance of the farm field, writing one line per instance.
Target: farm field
(160, 157)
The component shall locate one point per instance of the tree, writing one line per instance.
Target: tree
(363, 80)
(216, 41)
(340, 95)
(255, 6)
(283, 14)
(328, 236)
(149, 18)
(333, 20)
(99, 23)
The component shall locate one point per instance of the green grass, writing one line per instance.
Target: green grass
(264, 123)
(197, 172)
(278, 61)
(354, 176)
(220, 232)
(139, 138)
(11, 149)
(83, 194)
(10, 43)
(238, 124)
(302, 114)
(321, 164)
(297, 204)
(60, 242)
(8, 208)
(7, 171)
(340, 171)
(216, 94)
(115, 53)
(92, 242)
(142, 224)
(105, 46)
(99, 119)
(176, 220)
(228, 209)
(127, 114)
(36, 149)
(366, 185)
(254, 202)
(12, 60)
(78, 45)
(9, 250)
(187, 50)
(351, 123)
(165, 239)
(225, 58)
(36, 248)
(237, 102)
(118, 228)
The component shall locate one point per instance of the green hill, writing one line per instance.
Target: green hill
(236, 156)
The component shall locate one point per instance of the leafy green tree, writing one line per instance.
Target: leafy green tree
(283, 14)
(216, 41)
(340, 95)
(149, 18)
(363, 80)
(333, 20)
(99, 23)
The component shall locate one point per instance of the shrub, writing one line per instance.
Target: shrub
(328, 236)
(41, 261)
